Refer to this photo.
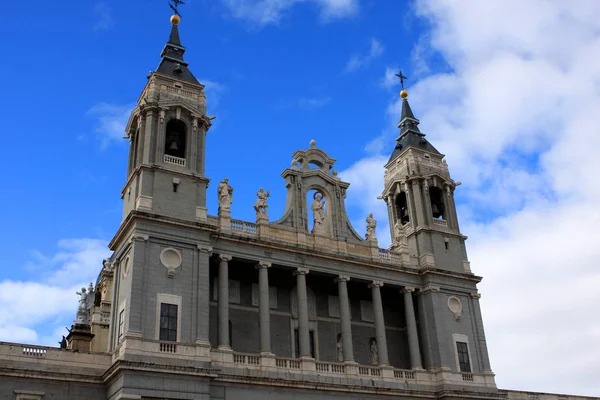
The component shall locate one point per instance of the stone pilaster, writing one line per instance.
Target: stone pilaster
(347, 346)
(202, 295)
(264, 307)
(411, 328)
(481, 342)
(303, 330)
(223, 335)
(382, 352)
(420, 213)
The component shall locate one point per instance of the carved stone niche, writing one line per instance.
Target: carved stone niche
(455, 306)
(171, 259)
(313, 171)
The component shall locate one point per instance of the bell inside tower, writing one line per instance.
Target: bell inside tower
(438, 208)
(176, 138)
(402, 208)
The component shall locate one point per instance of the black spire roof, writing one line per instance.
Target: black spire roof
(172, 63)
(410, 135)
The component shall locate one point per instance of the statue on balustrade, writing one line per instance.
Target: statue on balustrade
(261, 205)
(318, 209)
(399, 234)
(371, 228)
(82, 316)
(340, 348)
(225, 192)
(374, 351)
(107, 265)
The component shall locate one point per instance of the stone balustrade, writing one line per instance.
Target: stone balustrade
(43, 356)
(306, 369)
(289, 236)
(174, 160)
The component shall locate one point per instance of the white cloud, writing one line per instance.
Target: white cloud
(389, 78)
(264, 12)
(111, 121)
(517, 117)
(314, 102)
(33, 311)
(359, 61)
(104, 19)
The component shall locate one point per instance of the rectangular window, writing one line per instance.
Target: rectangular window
(334, 306)
(366, 311)
(234, 291)
(272, 296)
(463, 357)
(311, 339)
(121, 323)
(168, 322)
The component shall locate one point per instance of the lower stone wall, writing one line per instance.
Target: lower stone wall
(51, 389)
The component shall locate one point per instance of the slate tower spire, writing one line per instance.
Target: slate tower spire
(167, 140)
(420, 197)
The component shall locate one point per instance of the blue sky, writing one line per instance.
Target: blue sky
(509, 91)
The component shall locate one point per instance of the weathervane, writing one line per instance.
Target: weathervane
(402, 78)
(174, 4)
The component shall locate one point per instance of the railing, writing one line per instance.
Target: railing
(243, 226)
(467, 377)
(400, 374)
(328, 367)
(181, 92)
(287, 363)
(441, 222)
(174, 160)
(34, 352)
(384, 253)
(369, 371)
(246, 359)
(167, 347)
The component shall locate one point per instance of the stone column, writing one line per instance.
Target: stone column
(303, 330)
(391, 214)
(427, 199)
(420, 213)
(264, 310)
(382, 352)
(411, 329)
(345, 318)
(223, 336)
(451, 208)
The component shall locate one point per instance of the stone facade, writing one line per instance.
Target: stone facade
(199, 306)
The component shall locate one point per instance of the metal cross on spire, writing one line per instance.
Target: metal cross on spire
(401, 77)
(174, 4)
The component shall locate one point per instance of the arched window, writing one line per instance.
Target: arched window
(437, 202)
(175, 138)
(402, 208)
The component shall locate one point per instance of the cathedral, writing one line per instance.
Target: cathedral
(197, 305)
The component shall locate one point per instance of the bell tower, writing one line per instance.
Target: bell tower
(419, 194)
(166, 131)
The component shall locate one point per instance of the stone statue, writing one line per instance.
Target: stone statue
(261, 205)
(63, 342)
(340, 348)
(107, 265)
(374, 351)
(318, 209)
(371, 227)
(82, 316)
(225, 192)
(399, 235)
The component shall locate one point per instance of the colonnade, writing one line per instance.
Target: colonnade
(303, 321)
